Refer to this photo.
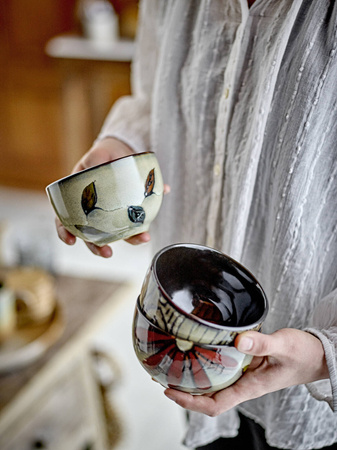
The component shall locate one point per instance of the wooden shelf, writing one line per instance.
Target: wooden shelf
(78, 47)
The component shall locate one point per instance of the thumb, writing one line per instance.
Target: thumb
(255, 343)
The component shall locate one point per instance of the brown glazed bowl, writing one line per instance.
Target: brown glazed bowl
(111, 201)
(193, 303)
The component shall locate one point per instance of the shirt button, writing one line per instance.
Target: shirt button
(226, 93)
(216, 170)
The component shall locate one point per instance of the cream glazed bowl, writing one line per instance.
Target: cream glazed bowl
(193, 303)
(111, 201)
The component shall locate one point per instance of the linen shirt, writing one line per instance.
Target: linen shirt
(240, 106)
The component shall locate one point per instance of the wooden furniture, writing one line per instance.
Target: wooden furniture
(93, 78)
(56, 401)
(50, 115)
(30, 90)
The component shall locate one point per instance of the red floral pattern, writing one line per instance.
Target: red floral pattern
(159, 354)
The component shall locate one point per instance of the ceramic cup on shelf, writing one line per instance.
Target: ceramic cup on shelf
(34, 290)
(111, 201)
(99, 20)
(193, 303)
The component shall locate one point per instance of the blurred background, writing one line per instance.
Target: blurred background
(68, 376)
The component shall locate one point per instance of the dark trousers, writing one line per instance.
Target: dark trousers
(251, 437)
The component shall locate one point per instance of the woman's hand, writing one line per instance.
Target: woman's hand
(106, 150)
(285, 358)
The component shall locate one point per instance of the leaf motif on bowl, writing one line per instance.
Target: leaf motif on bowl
(149, 184)
(136, 214)
(89, 198)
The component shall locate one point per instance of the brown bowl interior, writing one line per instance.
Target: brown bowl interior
(209, 286)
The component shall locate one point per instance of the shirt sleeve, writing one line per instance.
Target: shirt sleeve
(129, 118)
(324, 327)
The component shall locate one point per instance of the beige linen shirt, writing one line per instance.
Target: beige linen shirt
(240, 106)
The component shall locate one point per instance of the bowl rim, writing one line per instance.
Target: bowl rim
(198, 344)
(97, 166)
(197, 319)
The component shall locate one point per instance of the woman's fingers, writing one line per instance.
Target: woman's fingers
(141, 238)
(104, 151)
(199, 403)
(246, 388)
(257, 344)
(283, 359)
(70, 239)
(64, 234)
(104, 252)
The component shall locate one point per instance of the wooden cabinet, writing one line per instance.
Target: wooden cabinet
(30, 90)
(89, 89)
(64, 412)
(49, 112)
(30, 134)
(57, 400)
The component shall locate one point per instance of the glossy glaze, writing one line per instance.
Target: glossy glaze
(184, 365)
(197, 293)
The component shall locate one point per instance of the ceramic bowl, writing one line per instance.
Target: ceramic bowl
(182, 364)
(111, 201)
(200, 299)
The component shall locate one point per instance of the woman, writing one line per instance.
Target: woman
(239, 103)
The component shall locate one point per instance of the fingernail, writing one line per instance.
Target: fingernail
(146, 237)
(106, 252)
(245, 344)
(169, 395)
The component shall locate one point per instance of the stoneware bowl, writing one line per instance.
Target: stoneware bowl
(194, 302)
(112, 201)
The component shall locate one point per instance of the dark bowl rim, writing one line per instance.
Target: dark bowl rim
(198, 344)
(196, 318)
(89, 169)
